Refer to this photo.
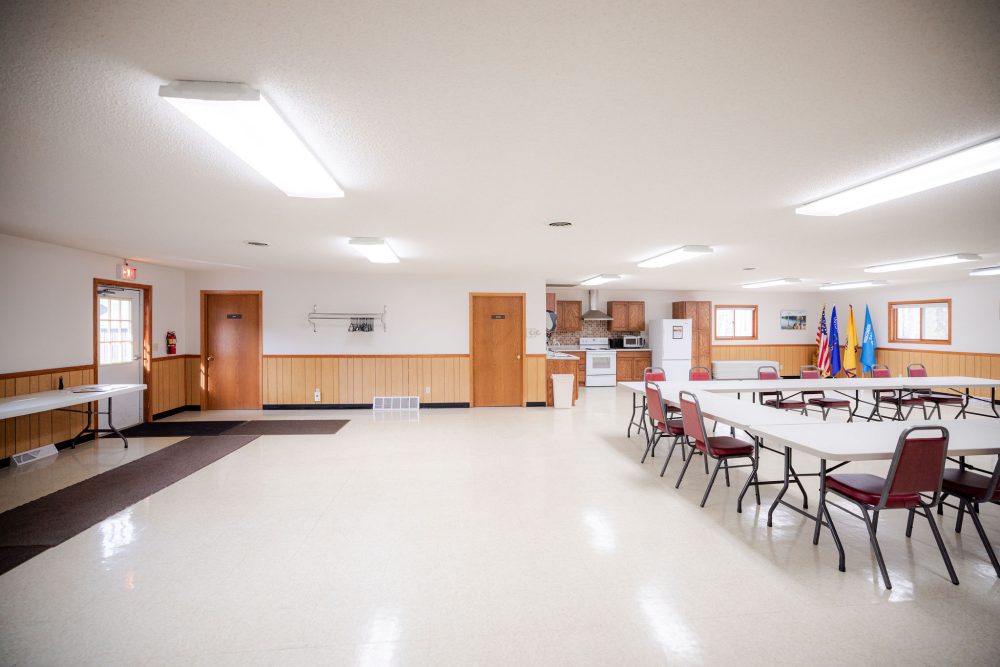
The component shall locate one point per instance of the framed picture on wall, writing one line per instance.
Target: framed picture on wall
(793, 320)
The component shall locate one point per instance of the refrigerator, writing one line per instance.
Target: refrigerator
(670, 342)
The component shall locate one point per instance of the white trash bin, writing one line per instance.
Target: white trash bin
(562, 390)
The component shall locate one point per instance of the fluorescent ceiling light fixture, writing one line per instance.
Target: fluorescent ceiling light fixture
(855, 285)
(986, 271)
(242, 120)
(675, 255)
(923, 263)
(772, 283)
(948, 169)
(376, 251)
(601, 279)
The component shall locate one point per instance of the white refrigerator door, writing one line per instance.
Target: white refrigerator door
(676, 369)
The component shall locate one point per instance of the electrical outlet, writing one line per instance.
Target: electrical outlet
(316, 395)
(427, 390)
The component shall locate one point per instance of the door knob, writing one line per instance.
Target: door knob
(519, 356)
(209, 358)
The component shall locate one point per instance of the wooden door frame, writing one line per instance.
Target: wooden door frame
(205, 293)
(472, 337)
(147, 339)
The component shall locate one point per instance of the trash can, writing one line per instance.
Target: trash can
(562, 390)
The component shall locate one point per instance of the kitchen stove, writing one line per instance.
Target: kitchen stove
(601, 366)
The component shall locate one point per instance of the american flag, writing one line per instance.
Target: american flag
(823, 343)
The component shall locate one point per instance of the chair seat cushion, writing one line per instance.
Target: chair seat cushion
(786, 404)
(672, 427)
(725, 445)
(944, 399)
(968, 484)
(909, 400)
(867, 489)
(830, 402)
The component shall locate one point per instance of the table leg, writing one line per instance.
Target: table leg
(784, 486)
(84, 429)
(112, 426)
(965, 405)
(993, 402)
(752, 478)
(631, 421)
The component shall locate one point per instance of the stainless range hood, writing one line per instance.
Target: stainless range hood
(594, 313)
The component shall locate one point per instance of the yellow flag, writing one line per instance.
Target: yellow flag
(850, 362)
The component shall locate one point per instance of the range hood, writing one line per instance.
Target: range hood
(594, 313)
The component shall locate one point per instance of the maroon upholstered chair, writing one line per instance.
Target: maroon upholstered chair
(722, 448)
(776, 400)
(896, 398)
(820, 399)
(649, 374)
(928, 396)
(971, 489)
(917, 468)
(660, 425)
(699, 374)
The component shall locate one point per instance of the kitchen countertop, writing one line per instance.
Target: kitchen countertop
(559, 356)
(575, 348)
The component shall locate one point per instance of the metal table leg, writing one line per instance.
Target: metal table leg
(784, 487)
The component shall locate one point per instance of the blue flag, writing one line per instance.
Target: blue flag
(834, 344)
(868, 344)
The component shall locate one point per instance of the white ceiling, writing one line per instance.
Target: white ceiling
(458, 130)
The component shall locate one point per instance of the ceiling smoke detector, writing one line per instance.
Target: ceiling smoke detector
(560, 223)
(258, 244)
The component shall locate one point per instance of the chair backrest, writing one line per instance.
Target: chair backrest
(767, 373)
(654, 403)
(809, 373)
(654, 374)
(918, 464)
(993, 490)
(881, 372)
(916, 371)
(699, 374)
(694, 423)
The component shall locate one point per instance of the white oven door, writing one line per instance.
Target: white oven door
(600, 362)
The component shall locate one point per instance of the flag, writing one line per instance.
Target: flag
(868, 344)
(823, 345)
(834, 343)
(851, 351)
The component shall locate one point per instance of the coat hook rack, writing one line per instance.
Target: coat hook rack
(358, 321)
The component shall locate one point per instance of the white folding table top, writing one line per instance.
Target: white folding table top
(838, 384)
(873, 441)
(27, 404)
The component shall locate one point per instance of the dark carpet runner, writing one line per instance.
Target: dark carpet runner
(167, 429)
(288, 427)
(30, 529)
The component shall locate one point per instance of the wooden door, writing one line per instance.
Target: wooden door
(636, 316)
(231, 350)
(497, 342)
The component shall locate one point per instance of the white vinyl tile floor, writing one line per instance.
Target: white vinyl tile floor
(501, 536)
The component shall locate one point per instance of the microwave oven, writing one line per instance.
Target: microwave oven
(633, 341)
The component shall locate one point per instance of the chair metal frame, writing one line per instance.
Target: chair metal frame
(721, 461)
(641, 408)
(658, 414)
(871, 522)
(821, 395)
(917, 369)
(778, 398)
(893, 396)
(971, 504)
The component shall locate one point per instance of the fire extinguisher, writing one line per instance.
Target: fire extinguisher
(171, 342)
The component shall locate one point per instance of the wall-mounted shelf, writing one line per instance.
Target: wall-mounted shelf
(364, 322)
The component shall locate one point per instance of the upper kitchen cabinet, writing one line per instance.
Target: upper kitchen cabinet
(700, 314)
(627, 315)
(550, 301)
(569, 315)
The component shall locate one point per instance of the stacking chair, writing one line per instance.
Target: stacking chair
(971, 489)
(699, 374)
(771, 373)
(936, 400)
(895, 398)
(820, 399)
(917, 467)
(649, 374)
(722, 448)
(660, 425)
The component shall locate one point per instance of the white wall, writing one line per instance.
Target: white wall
(975, 317)
(769, 304)
(46, 303)
(426, 315)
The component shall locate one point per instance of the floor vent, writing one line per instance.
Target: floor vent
(382, 403)
(33, 455)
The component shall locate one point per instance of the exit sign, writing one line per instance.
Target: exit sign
(126, 272)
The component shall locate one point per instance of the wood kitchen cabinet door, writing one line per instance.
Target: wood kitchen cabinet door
(569, 315)
(700, 314)
(636, 315)
(550, 301)
(618, 310)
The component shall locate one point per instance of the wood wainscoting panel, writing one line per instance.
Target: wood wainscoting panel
(534, 379)
(940, 362)
(168, 383)
(23, 433)
(356, 380)
(790, 357)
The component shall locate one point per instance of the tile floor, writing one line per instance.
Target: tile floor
(476, 537)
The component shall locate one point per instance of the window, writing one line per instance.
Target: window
(736, 322)
(920, 321)
(115, 333)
